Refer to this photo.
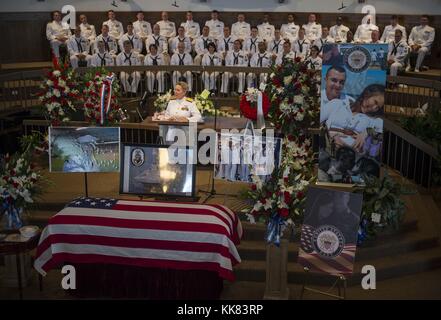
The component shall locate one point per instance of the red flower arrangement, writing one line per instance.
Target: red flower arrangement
(248, 104)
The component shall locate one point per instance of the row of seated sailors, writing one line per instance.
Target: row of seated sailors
(421, 36)
(301, 46)
(236, 57)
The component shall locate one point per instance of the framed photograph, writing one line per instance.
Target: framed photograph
(158, 170)
(240, 156)
(84, 149)
(329, 231)
(351, 112)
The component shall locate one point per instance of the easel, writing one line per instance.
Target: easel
(339, 282)
(86, 189)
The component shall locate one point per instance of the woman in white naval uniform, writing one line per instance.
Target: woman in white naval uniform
(180, 109)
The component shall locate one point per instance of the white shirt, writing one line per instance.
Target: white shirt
(364, 32)
(142, 28)
(57, 29)
(149, 59)
(234, 58)
(131, 59)
(110, 44)
(78, 45)
(134, 40)
(261, 60)
(251, 45)
(186, 59)
(116, 29)
(301, 47)
(314, 63)
(201, 43)
(266, 31)
(321, 42)
(289, 31)
(339, 33)
(214, 59)
(423, 36)
(225, 44)
(241, 30)
(175, 41)
(290, 55)
(398, 51)
(327, 109)
(192, 29)
(313, 31)
(216, 28)
(160, 41)
(275, 46)
(389, 33)
(88, 31)
(101, 59)
(183, 108)
(167, 28)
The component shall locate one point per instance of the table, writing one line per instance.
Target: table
(17, 248)
(142, 235)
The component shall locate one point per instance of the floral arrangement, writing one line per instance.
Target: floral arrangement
(20, 180)
(161, 101)
(280, 201)
(294, 96)
(206, 106)
(99, 110)
(382, 207)
(248, 103)
(58, 93)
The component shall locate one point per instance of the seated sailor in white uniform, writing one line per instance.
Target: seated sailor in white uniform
(181, 109)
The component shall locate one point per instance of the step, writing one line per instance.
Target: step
(386, 268)
(256, 250)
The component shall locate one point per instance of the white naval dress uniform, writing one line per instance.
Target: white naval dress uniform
(238, 59)
(339, 33)
(142, 29)
(57, 29)
(389, 33)
(159, 41)
(266, 31)
(209, 79)
(314, 63)
(225, 44)
(136, 42)
(175, 41)
(251, 45)
(216, 28)
(290, 31)
(102, 59)
(88, 31)
(131, 59)
(110, 44)
(184, 59)
(151, 76)
(397, 52)
(167, 29)
(313, 31)
(424, 37)
(275, 46)
(192, 29)
(116, 29)
(76, 46)
(201, 48)
(364, 32)
(259, 60)
(301, 47)
(321, 42)
(290, 55)
(241, 30)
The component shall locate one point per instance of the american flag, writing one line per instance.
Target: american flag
(341, 264)
(184, 236)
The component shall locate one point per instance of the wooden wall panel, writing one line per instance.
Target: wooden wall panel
(24, 39)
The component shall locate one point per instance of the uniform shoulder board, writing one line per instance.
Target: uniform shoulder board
(189, 99)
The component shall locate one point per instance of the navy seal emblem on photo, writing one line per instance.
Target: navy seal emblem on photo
(328, 241)
(138, 157)
(357, 59)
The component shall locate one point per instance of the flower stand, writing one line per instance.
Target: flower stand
(276, 287)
